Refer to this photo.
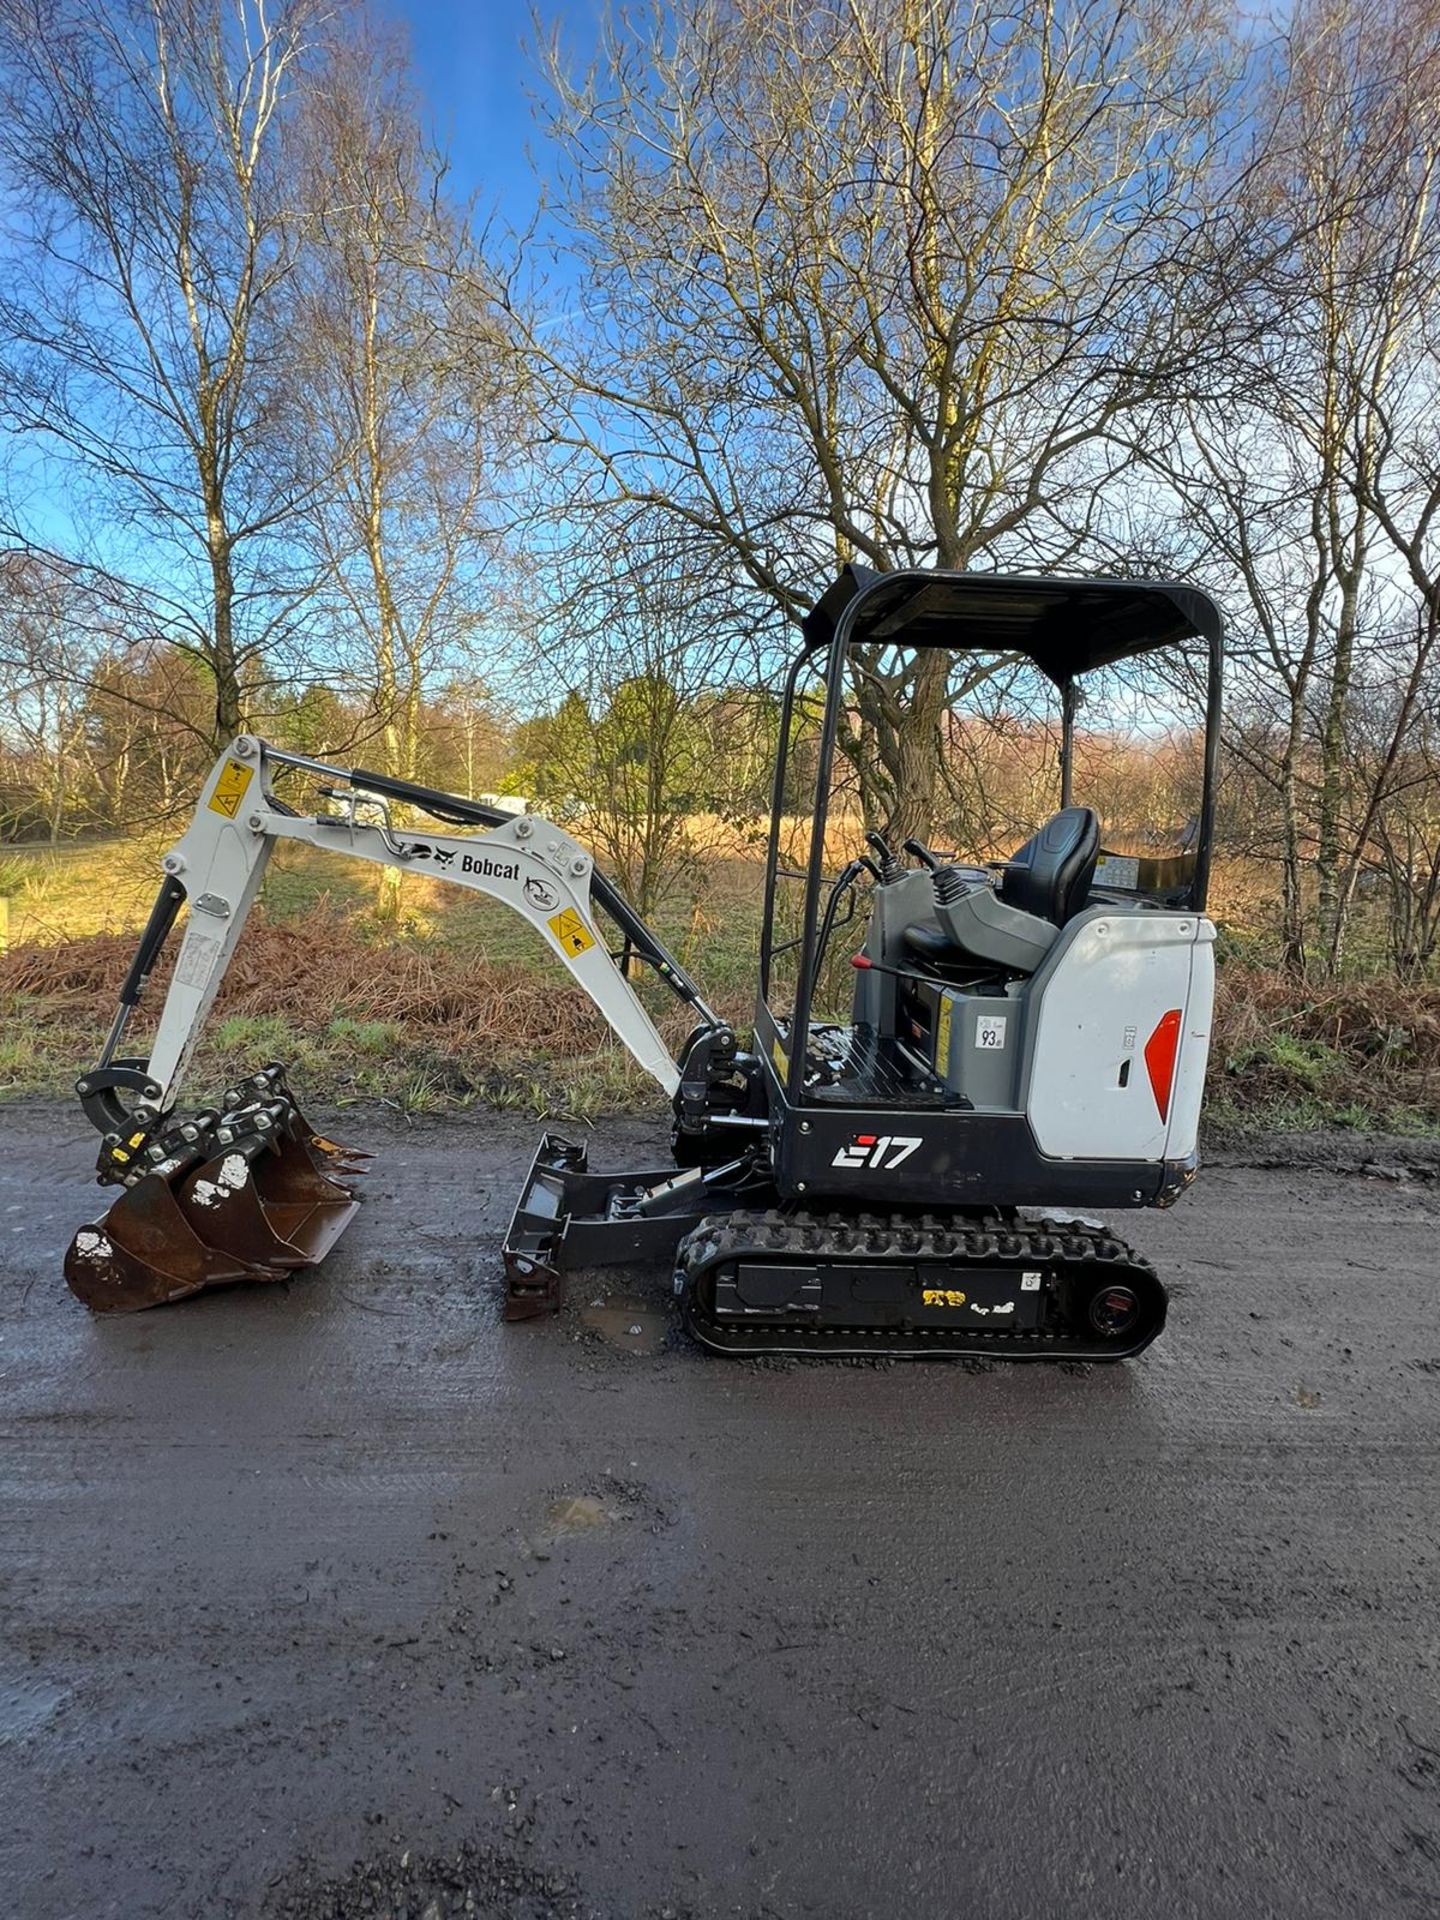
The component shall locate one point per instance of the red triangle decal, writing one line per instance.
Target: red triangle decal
(1161, 1051)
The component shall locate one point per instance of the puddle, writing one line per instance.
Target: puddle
(627, 1323)
(579, 1513)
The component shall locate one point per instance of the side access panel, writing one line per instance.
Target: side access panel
(1120, 1037)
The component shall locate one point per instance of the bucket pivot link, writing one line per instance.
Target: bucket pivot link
(249, 1191)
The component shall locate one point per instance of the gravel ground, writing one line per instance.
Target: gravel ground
(341, 1598)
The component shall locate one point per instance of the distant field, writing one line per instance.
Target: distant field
(64, 892)
(72, 892)
(68, 892)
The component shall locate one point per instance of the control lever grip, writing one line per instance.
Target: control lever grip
(890, 867)
(950, 884)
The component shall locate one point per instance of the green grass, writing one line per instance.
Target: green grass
(364, 1036)
(1288, 1083)
(1309, 1065)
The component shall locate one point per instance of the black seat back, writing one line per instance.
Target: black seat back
(1052, 873)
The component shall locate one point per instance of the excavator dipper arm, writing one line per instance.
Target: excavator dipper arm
(247, 1190)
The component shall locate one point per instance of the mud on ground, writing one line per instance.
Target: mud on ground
(341, 1598)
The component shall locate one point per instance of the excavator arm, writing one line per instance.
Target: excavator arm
(253, 1162)
(524, 861)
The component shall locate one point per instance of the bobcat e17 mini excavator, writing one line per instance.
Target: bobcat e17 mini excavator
(1023, 1042)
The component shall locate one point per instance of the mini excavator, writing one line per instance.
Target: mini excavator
(1026, 1041)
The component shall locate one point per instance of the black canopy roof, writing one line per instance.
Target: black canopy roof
(1067, 627)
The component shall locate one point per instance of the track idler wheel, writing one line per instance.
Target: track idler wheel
(1114, 1311)
(1114, 1318)
(252, 1194)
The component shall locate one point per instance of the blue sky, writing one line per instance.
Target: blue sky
(476, 79)
(474, 75)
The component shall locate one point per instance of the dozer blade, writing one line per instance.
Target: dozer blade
(266, 1202)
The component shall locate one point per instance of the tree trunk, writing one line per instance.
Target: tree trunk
(1329, 901)
(229, 698)
(918, 750)
(1292, 898)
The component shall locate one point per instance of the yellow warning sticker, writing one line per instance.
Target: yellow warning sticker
(942, 1038)
(780, 1057)
(942, 1296)
(569, 929)
(230, 788)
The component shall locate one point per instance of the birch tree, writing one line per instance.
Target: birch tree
(407, 432)
(1313, 450)
(145, 149)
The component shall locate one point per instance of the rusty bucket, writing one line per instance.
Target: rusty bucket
(256, 1196)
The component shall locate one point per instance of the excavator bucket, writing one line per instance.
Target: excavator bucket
(258, 1195)
(144, 1252)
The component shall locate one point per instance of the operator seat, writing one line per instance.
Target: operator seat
(1053, 872)
(1013, 927)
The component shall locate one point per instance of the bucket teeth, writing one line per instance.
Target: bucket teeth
(259, 1195)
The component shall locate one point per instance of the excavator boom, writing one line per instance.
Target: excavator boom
(248, 1190)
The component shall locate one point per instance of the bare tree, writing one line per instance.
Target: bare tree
(1321, 300)
(46, 652)
(878, 282)
(146, 142)
(1358, 142)
(1392, 753)
(408, 433)
(640, 647)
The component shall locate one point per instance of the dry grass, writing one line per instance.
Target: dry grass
(1359, 1053)
(310, 969)
(461, 1002)
(412, 1019)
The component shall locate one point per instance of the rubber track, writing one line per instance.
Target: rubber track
(958, 1240)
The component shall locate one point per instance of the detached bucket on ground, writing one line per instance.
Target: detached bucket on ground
(254, 1195)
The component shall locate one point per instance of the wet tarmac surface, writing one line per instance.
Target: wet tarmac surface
(340, 1597)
